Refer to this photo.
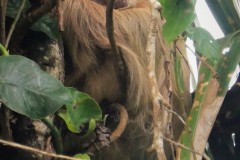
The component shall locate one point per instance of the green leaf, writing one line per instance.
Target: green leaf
(228, 63)
(205, 44)
(28, 90)
(48, 25)
(66, 117)
(13, 7)
(179, 15)
(91, 127)
(82, 109)
(82, 156)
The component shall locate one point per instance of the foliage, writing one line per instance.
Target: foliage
(179, 15)
(28, 90)
(205, 45)
(46, 24)
(82, 109)
(13, 6)
(224, 66)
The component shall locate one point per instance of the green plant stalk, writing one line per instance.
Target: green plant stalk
(58, 144)
(188, 133)
(225, 67)
(3, 51)
(14, 23)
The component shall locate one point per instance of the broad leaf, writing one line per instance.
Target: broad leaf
(205, 44)
(179, 15)
(28, 90)
(82, 109)
(66, 117)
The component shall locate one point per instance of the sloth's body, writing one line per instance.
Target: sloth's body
(93, 70)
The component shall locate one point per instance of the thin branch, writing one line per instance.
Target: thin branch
(158, 100)
(176, 114)
(203, 60)
(119, 61)
(186, 148)
(5, 123)
(110, 26)
(187, 62)
(3, 8)
(30, 149)
(14, 23)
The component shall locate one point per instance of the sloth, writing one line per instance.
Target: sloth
(90, 67)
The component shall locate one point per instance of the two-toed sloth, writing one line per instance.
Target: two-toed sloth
(92, 67)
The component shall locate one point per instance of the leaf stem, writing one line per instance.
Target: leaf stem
(14, 23)
(3, 51)
(58, 144)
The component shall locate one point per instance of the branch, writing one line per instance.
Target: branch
(14, 23)
(157, 97)
(186, 148)
(3, 8)
(176, 114)
(203, 60)
(119, 61)
(30, 149)
(5, 123)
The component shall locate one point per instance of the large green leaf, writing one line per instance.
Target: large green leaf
(82, 109)
(179, 15)
(205, 44)
(28, 90)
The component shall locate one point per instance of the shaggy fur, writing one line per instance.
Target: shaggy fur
(93, 62)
